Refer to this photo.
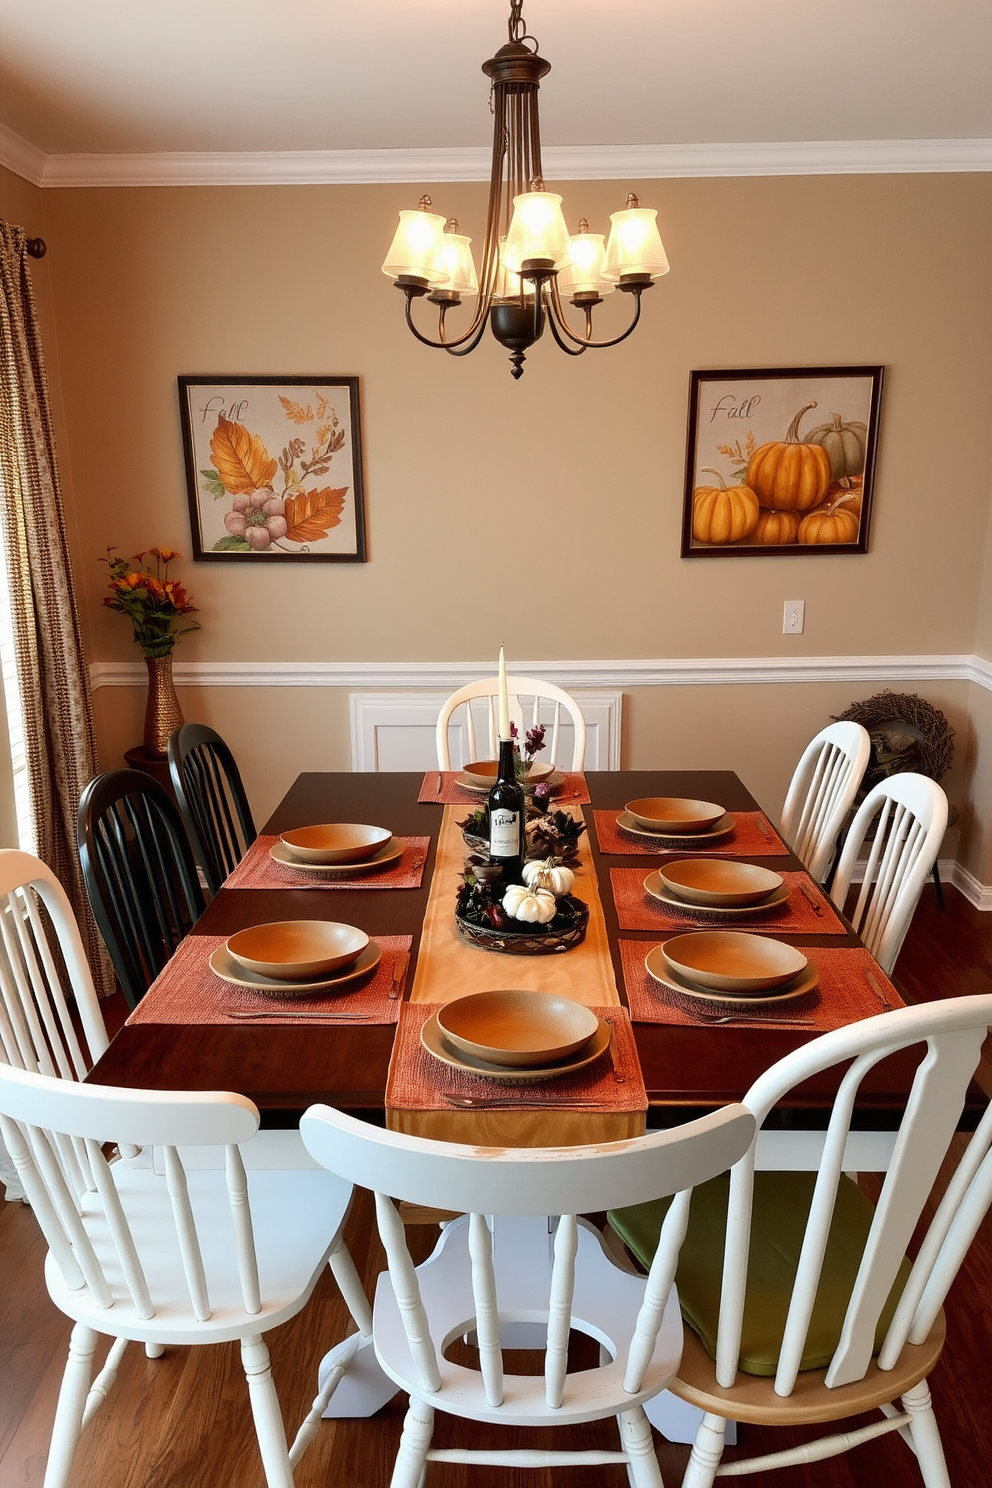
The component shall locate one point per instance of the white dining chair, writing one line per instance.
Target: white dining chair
(803, 1306)
(202, 1256)
(821, 793)
(532, 702)
(902, 820)
(37, 1029)
(497, 1266)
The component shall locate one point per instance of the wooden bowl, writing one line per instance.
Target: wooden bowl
(336, 842)
(482, 773)
(733, 960)
(719, 881)
(517, 1029)
(674, 814)
(297, 950)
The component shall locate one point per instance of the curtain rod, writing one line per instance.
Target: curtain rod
(37, 247)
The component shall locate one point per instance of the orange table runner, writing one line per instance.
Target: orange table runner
(449, 967)
(844, 995)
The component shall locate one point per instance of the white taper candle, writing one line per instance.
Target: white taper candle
(504, 701)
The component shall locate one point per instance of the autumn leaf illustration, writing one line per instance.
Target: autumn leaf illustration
(243, 463)
(310, 514)
(296, 411)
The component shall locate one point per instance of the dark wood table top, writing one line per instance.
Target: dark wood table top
(284, 1068)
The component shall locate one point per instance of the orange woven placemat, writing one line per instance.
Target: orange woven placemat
(419, 1082)
(747, 840)
(187, 991)
(844, 995)
(637, 910)
(572, 787)
(258, 871)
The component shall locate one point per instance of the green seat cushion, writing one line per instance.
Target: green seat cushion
(781, 1206)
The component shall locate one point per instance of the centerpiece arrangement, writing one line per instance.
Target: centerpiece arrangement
(153, 603)
(515, 893)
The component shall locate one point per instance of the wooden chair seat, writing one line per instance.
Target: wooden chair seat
(295, 1216)
(753, 1399)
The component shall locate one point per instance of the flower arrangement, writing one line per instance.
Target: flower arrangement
(492, 912)
(150, 599)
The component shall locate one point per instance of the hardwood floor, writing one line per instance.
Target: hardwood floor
(183, 1420)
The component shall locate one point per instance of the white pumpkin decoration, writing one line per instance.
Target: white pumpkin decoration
(549, 873)
(538, 906)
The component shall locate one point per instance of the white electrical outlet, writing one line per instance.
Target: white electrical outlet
(793, 617)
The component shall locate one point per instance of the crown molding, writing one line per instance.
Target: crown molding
(562, 163)
(21, 157)
(687, 672)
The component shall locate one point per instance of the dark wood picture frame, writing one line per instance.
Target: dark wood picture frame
(273, 468)
(814, 502)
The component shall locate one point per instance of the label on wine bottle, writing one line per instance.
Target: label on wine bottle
(504, 833)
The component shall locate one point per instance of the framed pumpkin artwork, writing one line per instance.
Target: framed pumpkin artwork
(273, 469)
(780, 460)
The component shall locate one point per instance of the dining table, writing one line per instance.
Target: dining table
(666, 1061)
(689, 1063)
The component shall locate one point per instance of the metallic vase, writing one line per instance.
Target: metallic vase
(163, 714)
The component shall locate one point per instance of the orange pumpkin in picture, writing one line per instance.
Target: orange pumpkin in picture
(723, 514)
(831, 524)
(788, 475)
(775, 528)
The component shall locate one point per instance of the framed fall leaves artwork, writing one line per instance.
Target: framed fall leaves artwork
(273, 468)
(780, 460)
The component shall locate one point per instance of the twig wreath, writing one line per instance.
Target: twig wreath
(907, 733)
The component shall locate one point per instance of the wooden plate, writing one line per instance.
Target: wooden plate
(674, 814)
(723, 882)
(733, 960)
(336, 842)
(516, 1030)
(434, 1042)
(659, 971)
(722, 828)
(392, 851)
(481, 774)
(655, 886)
(223, 965)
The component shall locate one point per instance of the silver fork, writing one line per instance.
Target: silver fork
(484, 1102)
(743, 1022)
(231, 1012)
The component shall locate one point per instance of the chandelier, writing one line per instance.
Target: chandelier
(529, 261)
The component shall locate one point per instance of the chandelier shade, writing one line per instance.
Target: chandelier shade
(528, 257)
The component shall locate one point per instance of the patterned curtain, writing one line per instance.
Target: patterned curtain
(54, 683)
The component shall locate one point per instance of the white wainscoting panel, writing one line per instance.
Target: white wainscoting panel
(395, 730)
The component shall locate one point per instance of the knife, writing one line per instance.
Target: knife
(811, 898)
(759, 822)
(620, 1078)
(440, 782)
(399, 973)
(873, 984)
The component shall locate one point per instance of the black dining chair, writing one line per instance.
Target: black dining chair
(139, 872)
(212, 800)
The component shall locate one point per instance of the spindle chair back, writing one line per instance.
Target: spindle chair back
(199, 1256)
(139, 873)
(903, 820)
(212, 800)
(821, 792)
(518, 1253)
(892, 1308)
(37, 1030)
(532, 702)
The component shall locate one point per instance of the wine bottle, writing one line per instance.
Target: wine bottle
(507, 816)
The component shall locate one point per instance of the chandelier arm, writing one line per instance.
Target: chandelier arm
(558, 315)
(568, 350)
(475, 329)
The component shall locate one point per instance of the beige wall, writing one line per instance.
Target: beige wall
(579, 466)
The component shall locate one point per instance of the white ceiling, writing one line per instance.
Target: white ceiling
(135, 76)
